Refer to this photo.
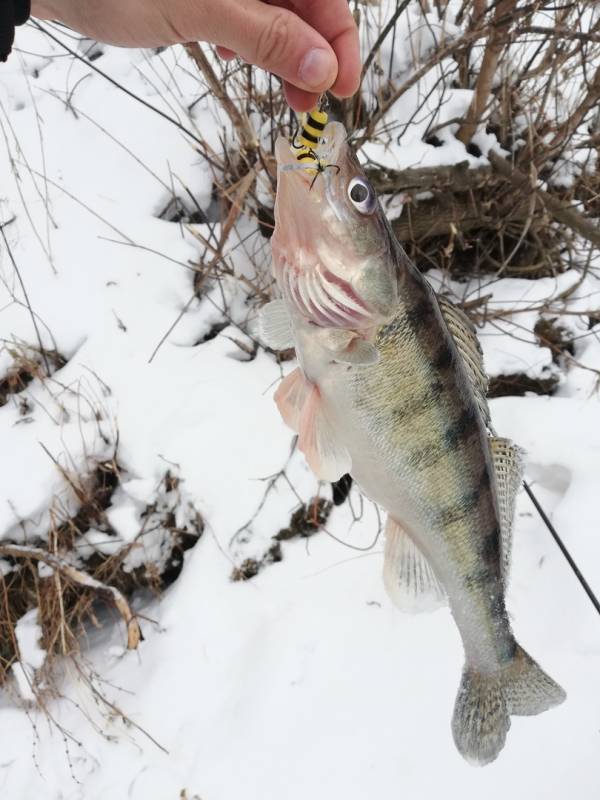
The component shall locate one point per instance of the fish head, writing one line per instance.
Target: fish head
(335, 258)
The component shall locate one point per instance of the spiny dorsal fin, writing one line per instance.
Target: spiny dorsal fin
(463, 333)
(408, 577)
(508, 469)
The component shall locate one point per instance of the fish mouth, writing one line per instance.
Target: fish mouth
(308, 263)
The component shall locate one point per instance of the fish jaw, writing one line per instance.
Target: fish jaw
(334, 266)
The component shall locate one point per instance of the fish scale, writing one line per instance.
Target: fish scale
(458, 455)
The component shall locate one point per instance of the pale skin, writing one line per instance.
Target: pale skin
(312, 45)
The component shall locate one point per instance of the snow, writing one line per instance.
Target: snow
(304, 681)
(31, 655)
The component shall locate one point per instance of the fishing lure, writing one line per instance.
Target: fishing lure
(309, 139)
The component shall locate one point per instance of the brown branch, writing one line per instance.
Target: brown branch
(459, 177)
(491, 56)
(561, 33)
(565, 214)
(443, 52)
(382, 37)
(570, 125)
(110, 593)
(554, 53)
(431, 218)
(238, 119)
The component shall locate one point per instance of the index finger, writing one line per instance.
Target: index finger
(334, 21)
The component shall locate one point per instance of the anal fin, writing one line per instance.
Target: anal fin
(408, 577)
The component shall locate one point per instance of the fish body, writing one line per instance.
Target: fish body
(388, 388)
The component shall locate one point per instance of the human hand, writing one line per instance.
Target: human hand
(311, 44)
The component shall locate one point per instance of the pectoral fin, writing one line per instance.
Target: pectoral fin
(275, 326)
(300, 405)
(346, 347)
(359, 353)
(291, 397)
(316, 439)
(408, 577)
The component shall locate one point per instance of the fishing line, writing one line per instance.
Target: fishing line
(562, 547)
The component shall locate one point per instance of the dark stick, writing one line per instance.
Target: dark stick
(562, 547)
(382, 36)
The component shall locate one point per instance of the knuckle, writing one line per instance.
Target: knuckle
(274, 40)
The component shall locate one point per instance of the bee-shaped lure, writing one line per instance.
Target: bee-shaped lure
(307, 142)
(309, 138)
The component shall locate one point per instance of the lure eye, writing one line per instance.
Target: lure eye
(362, 195)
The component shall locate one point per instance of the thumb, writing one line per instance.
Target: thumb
(279, 41)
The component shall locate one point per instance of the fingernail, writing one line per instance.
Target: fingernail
(315, 68)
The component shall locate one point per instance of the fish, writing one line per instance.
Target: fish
(390, 388)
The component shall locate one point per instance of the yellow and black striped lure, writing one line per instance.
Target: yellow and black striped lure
(309, 138)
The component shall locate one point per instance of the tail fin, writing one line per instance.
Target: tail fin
(484, 702)
(480, 721)
(527, 688)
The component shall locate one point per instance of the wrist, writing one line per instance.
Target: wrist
(46, 9)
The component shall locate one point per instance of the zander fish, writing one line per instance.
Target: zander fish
(390, 388)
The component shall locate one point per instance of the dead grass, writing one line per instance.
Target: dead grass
(28, 363)
(308, 519)
(68, 579)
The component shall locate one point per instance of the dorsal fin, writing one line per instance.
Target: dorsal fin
(463, 333)
(508, 470)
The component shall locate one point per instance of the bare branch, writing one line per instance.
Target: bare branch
(238, 118)
(493, 50)
(562, 213)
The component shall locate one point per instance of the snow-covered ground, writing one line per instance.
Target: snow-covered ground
(303, 682)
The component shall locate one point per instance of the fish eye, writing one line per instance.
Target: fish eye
(362, 195)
